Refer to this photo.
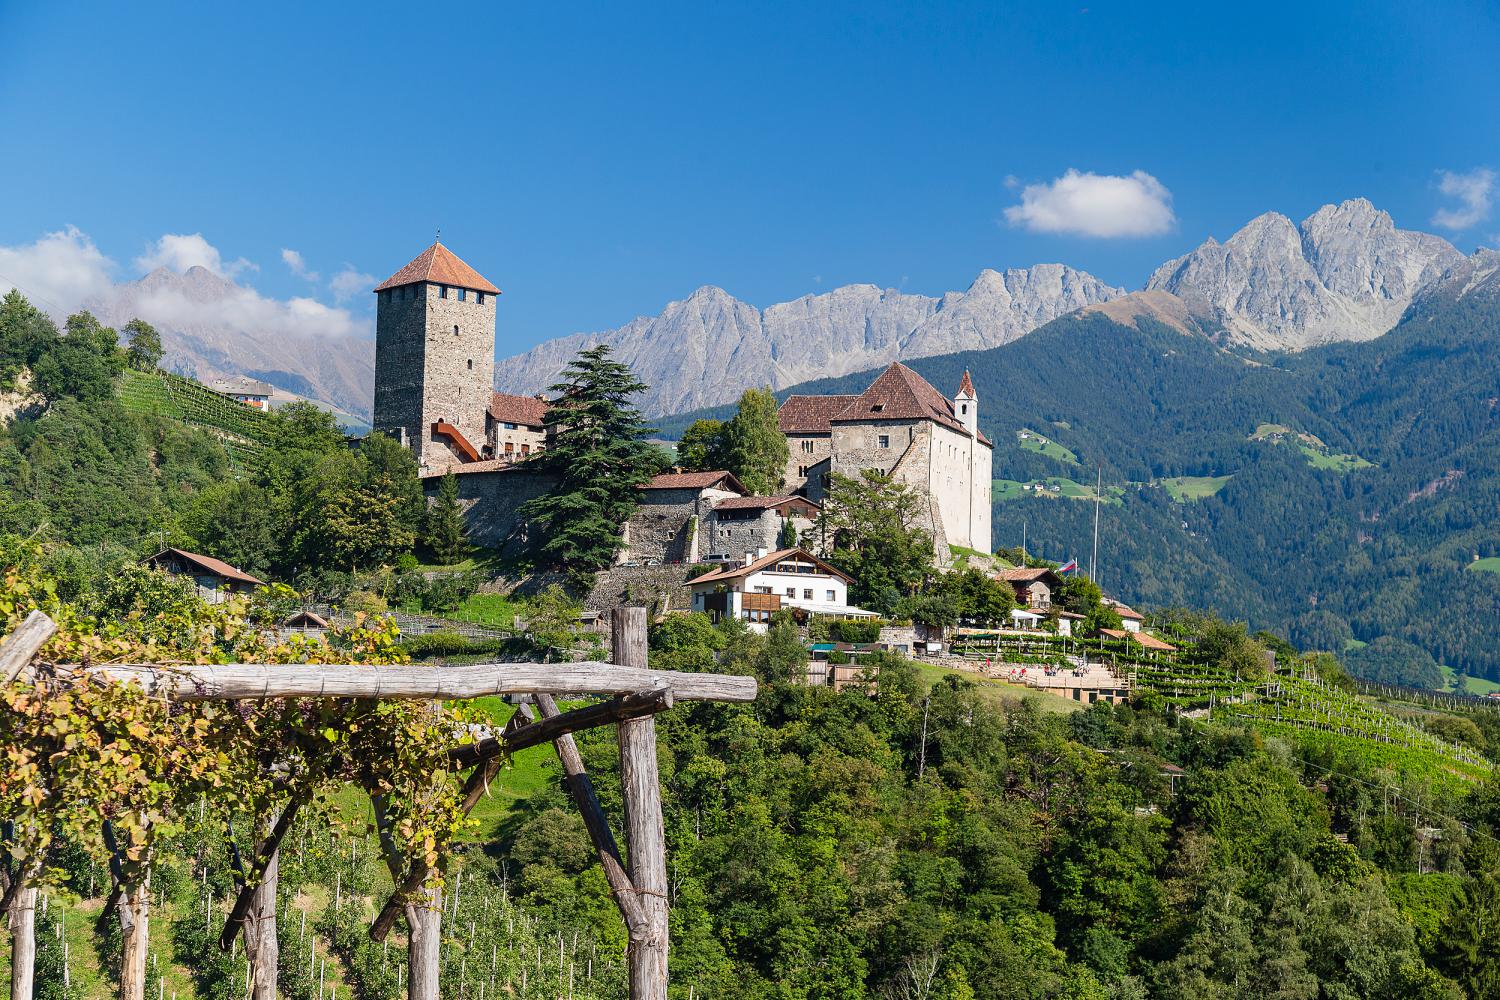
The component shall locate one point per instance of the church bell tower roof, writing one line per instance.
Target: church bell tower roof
(439, 265)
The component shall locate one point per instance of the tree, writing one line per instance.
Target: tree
(598, 457)
(445, 522)
(754, 447)
(83, 364)
(702, 446)
(870, 525)
(552, 619)
(1082, 596)
(979, 597)
(145, 350)
(788, 537)
(26, 333)
(786, 654)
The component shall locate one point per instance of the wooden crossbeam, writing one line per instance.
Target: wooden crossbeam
(18, 649)
(226, 682)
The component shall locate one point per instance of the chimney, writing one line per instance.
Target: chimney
(762, 553)
(749, 558)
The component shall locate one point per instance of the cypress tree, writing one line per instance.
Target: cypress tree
(756, 449)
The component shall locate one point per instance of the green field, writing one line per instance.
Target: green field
(1030, 440)
(1490, 564)
(1334, 463)
(1002, 490)
(1186, 488)
(1473, 685)
(999, 692)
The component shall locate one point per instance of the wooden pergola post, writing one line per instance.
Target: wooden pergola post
(645, 831)
(639, 887)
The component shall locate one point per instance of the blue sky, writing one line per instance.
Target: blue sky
(598, 161)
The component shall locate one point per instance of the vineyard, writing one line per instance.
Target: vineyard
(164, 394)
(329, 889)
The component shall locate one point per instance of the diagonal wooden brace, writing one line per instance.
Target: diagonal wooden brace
(595, 821)
(249, 883)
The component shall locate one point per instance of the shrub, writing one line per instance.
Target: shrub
(852, 630)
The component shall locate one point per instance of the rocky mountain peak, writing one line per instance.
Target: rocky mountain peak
(1345, 273)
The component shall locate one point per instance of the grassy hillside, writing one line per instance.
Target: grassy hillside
(160, 393)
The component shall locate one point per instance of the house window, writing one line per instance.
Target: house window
(479, 297)
(807, 447)
(807, 593)
(802, 472)
(791, 592)
(463, 295)
(878, 408)
(510, 427)
(442, 291)
(831, 597)
(885, 440)
(762, 590)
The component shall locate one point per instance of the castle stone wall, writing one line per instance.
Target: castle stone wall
(490, 500)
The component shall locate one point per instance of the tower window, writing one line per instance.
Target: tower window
(463, 294)
(479, 297)
(471, 364)
(885, 440)
(965, 408)
(455, 329)
(442, 291)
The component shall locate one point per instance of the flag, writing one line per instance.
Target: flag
(1071, 566)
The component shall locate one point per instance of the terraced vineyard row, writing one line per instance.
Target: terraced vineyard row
(1311, 713)
(239, 427)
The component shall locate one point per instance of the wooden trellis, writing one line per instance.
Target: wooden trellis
(637, 881)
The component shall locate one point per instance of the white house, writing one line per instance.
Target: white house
(1130, 619)
(760, 586)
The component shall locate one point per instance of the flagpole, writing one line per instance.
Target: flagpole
(1098, 495)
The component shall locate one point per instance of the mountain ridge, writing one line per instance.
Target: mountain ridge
(1345, 273)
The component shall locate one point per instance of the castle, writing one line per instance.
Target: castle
(908, 430)
(434, 391)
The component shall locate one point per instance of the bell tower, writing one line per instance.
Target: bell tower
(435, 358)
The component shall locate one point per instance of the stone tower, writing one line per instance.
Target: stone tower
(435, 358)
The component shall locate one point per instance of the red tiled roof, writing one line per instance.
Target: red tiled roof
(760, 503)
(1026, 574)
(1124, 610)
(694, 481)
(764, 562)
(811, 414)
(966, 385)
(509, 409)
(442, 266)
(216, 566)
(901, 394)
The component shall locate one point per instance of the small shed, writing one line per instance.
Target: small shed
(213, 578)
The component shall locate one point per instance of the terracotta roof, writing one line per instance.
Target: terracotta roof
(764, 562)
(442, 266)
(694, 481)
(1142, 638)
(966, 385)
(509, 409)
(901, 394)
(216, 566)
(760, 503)
(811, 414)
(1026, 574)
(1123, 610)
(305, 619)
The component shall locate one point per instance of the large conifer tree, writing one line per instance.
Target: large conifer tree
(599, 457)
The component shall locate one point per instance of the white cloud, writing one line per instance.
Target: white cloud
(293, 260)
(59, 272)
(350, 282)
(1474, 191)
(1095, 205)
(179, 251)
(64, 271)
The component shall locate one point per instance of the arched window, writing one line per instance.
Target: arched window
(455, 329)
(965, 409)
